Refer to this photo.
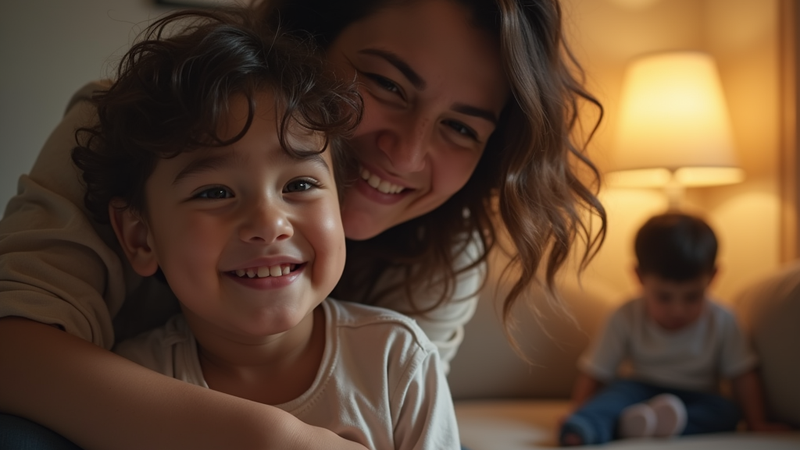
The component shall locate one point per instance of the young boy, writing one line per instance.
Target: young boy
(210, 162)
(678, 343)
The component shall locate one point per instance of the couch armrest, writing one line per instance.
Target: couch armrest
(770, 313)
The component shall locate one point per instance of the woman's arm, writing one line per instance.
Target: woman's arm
(100, 400)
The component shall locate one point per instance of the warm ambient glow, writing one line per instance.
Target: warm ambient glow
(674, 129)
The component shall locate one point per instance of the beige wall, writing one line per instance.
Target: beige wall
(743, 36)
(49, 49)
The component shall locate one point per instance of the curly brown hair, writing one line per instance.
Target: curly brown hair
(528, 171)
(175, 85)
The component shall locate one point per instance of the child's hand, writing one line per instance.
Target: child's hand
(770, 427)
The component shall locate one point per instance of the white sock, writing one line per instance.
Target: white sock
(670, 415)
(637, 421)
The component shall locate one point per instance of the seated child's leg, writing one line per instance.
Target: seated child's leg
(708, 413)
(596, 421)
(16, 432)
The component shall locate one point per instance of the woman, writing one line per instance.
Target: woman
(465, 101)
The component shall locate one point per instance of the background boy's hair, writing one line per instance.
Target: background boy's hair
(676, 246)
(177, 82)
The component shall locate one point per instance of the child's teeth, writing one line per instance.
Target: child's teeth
(265, 271)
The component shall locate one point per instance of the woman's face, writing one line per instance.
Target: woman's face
(433, 89)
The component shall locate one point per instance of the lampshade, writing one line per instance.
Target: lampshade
(673, 125)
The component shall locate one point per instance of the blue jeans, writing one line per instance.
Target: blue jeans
(22, 434)
(596, 421)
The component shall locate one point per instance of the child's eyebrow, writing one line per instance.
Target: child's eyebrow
(213, 161)
(222, 159)
(317, 159)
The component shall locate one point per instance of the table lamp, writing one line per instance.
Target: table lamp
(673, 131)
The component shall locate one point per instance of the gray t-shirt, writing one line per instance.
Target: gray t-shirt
(692, 358)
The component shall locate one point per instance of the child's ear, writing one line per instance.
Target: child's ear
(638, 273)
(133, 233)
(713, 274)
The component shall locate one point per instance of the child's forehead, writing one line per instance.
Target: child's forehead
(243, 110)
(232, 157)
(657, 281)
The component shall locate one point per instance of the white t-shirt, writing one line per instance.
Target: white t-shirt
(60, 267)
(380, 381)
(692, 358)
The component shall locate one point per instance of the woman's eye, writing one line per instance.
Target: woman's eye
(215, 193)
(383, 82)
(300, 185)
(462, 129)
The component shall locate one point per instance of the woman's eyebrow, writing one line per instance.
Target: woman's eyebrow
(475, 111)
(398, 63)
(417, 81)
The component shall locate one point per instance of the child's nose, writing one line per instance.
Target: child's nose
(265, 222)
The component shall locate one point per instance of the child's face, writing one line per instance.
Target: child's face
(674, 304)
(249, 239)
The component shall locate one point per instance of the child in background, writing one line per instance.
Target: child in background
(678, 343)
(210, 161)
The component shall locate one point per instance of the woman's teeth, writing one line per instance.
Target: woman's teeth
(379, 184)
(265, 271)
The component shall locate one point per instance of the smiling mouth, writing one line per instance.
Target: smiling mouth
(380, 184)
(265, 271)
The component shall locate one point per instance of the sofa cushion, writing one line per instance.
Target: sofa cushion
(770, 312)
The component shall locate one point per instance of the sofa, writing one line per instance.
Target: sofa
(504, 402)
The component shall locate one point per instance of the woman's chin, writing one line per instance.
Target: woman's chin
(360, 233)
(360, 227)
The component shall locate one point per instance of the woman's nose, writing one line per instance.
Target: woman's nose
(265, 223)
(407, 145)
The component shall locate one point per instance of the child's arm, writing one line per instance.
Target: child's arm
(750, 396)
(585, 387)
(100, 400)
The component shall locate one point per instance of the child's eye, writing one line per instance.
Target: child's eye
(215, 193)
(300, 185)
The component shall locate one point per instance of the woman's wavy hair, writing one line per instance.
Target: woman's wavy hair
(174, 87)
(530, 166)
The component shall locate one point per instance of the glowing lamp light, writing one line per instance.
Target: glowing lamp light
(674, 131)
